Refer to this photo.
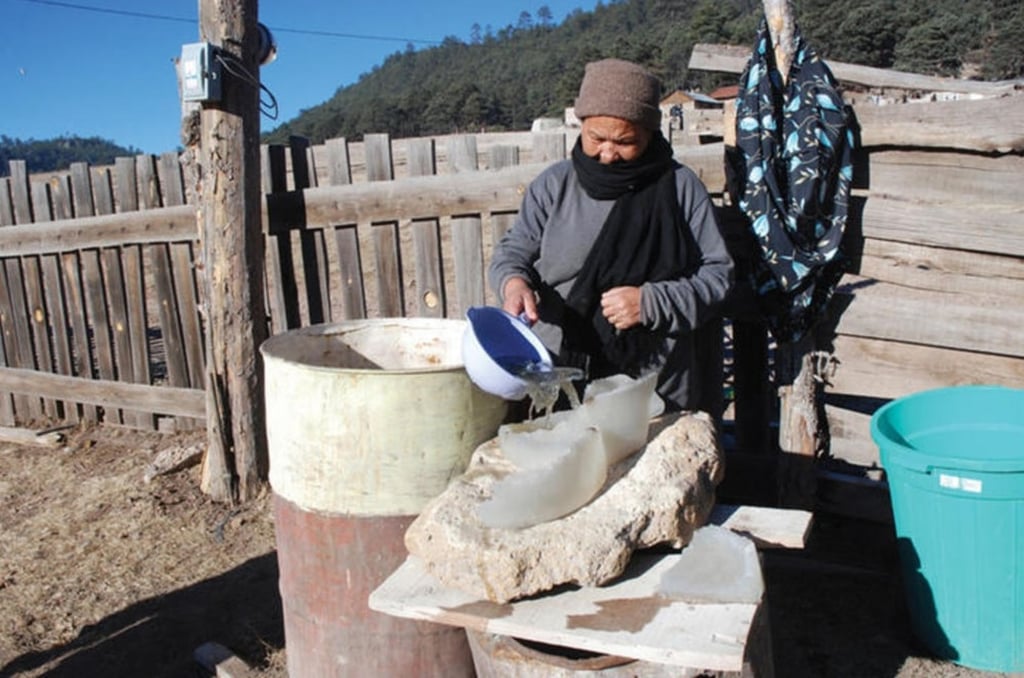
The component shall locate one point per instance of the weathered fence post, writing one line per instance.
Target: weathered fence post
(233, 258)
(799, 426)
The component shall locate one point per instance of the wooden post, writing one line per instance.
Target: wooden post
(782, 28)
(232, 257)
(800, 436)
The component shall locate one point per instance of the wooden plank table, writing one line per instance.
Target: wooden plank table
(627, 617)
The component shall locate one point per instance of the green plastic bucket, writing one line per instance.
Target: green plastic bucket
(954, 458)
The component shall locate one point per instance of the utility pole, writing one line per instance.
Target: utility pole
(231, 239)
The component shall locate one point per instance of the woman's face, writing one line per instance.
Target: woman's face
(608, 139)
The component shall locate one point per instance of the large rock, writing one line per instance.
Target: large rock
(659, 495)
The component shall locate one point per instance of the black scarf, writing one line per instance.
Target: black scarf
(642, 240)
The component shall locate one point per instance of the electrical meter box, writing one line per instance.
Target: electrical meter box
(200, 72)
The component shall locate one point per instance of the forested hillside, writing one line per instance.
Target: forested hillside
(59, 153)
(503, 80)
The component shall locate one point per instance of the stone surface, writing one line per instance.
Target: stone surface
(658, 495)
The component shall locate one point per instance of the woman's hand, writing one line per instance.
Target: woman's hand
(621, 307)
(519, 298)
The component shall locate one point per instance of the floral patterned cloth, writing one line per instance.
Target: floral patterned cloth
(794, 169)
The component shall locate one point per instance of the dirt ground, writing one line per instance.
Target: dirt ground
(105, 574)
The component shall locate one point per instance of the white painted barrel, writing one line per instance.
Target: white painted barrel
(367, 421)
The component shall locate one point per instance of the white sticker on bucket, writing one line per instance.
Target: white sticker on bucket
(972, 485)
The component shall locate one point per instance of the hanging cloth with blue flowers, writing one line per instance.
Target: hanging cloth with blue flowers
(793, 169)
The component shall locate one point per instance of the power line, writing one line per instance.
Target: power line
(164, 17)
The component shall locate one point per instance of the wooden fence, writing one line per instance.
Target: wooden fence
(100, 309)
(99, 306)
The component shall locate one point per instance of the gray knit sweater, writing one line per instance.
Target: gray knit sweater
(554, 231)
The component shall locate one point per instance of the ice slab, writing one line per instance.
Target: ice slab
(717, 566)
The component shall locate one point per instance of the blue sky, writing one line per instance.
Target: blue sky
(101, 68)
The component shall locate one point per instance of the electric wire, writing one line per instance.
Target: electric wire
(230, 63)
(276, 29)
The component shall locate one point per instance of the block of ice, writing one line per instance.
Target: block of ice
(717, 566)
(569, 470)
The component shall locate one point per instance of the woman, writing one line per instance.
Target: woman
(615, 254)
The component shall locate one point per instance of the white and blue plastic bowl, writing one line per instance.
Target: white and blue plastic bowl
(495, 345)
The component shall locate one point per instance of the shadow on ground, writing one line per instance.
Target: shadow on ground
(837, 607)
(156, 637)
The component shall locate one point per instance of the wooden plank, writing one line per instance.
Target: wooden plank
(138, 324)
(82, 284)
(945, 177)
(733, 59)
(19, 341)
(59, 357)
(137, 327)
(21, 198)
(177, 287)
(502, 156)
(117, 301)
(941, 269)
(60, 197)
(185, 290)
(467, 245)
(768, 528)
(850, 433)
(148, 182)
(978, 228)
(885, 369)
(82, 359)
(6, 206)
(427, 275)
(9, 406)
(353, 296)
(151, 226)
(462, 153)
(339, 172)
(103, 191)
(113, 289)
(39, 323)
(18, 333)
(931, 318)
(185, 402)
(170, 328)
(172, 184)
(24, 436)
(98, 320)
(466, 234)
(126, 185)
(412, 198)
(422, 157)
(313, 251)
(379, 164)
(387, 258)
(708, 636)
(429, 280)
(548, 147)
(223, 663)
(282, 290)
(7, 417)
(986, 125)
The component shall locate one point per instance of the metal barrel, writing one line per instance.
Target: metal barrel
(367, 420)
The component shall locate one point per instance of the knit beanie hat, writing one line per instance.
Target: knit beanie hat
(620, 89)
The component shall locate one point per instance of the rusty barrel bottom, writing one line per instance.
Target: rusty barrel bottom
(497, 656)
(329, 565)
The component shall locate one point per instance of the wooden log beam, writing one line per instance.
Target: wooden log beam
(169, 400)
(732, 59)
(983, 125)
